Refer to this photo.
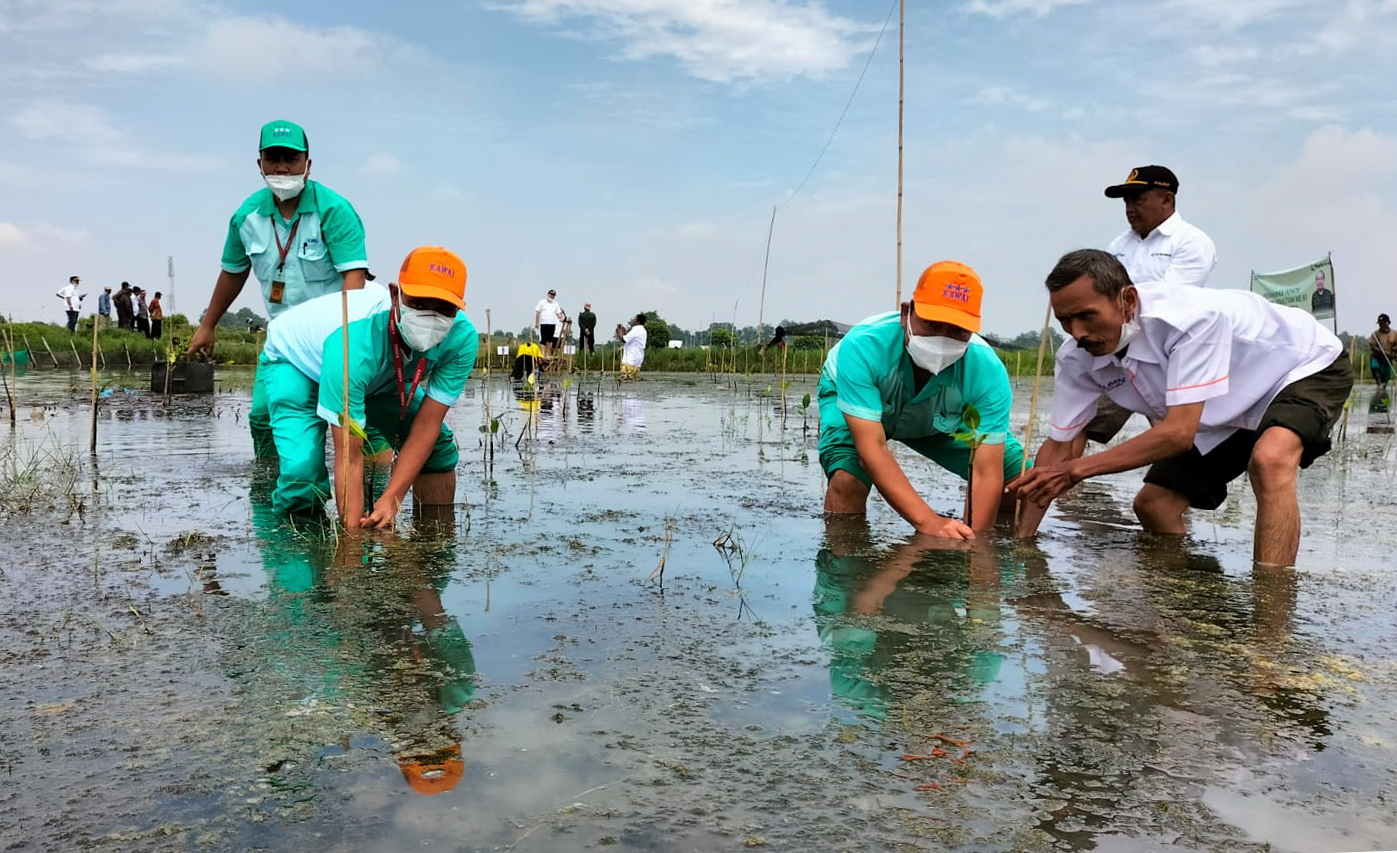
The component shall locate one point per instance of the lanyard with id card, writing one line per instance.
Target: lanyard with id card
(279, 284)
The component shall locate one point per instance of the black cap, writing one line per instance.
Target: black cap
(1383, 318)
(1145, 178)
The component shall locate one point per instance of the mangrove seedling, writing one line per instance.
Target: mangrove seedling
(804, 414)
(972, 438)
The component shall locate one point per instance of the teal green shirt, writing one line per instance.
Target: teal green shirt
(329, 241)
(311, 337)
(870, 373)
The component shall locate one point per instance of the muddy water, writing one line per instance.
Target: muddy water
(182, 672)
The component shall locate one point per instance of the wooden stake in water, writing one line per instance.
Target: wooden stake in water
(93, 447)
(9, 395)
(1033, 402)
(901, 29)
(344, 416)
(52, 357)
(489, 342)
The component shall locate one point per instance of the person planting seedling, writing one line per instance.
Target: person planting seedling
(915, 376)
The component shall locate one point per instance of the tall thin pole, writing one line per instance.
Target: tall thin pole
(170, 270)
(93, 448)
(761, 308)
(901, 29)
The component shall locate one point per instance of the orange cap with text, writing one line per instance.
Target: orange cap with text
(949, 292)
(433, 774)
(431, 272)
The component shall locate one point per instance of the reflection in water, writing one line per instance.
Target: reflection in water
(359, 623)
(875, 610)
(1111, 710)
(631, 415)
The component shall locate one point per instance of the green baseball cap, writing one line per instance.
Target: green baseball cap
(283, 134)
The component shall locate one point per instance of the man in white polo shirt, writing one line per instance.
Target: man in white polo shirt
(1229, 381)
(548, 315)
(1159, 246)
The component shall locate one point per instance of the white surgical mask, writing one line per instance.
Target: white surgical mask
(935, 354)
(285, 187)
(1129, 330)
(422, 329)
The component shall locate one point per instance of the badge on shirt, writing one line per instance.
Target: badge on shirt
(278, 291)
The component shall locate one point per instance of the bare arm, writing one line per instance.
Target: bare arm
(349, 477)
(983, 501)
(875, 457)
(229, 285)
(426, 426)
(1166, 439)
(354, 280)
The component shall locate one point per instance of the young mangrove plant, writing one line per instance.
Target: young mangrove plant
(972, 438)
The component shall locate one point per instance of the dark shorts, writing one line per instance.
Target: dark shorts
(1308, 407)
(1108, 420)
(1382, 369)
(546, 333)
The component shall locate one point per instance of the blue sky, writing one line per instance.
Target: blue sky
(629, 152)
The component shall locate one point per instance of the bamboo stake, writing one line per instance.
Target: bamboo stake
(52, 357)
(761, 307)
(14, 378)
(128, 354)
(344, 415)
(783, 388)
(93, 447)
(489, 342)
(1033, 403)
(77, 358)
(9, 394)
(901, 29)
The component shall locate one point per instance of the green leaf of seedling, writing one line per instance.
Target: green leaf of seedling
(494, 426)
(353, 428)
(971, 418)
(805, 402)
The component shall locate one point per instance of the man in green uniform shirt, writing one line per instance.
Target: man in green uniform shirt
(301, 238)
(920, 376)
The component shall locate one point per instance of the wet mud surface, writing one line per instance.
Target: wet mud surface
(183, 671)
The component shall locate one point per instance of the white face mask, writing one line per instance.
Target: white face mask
(422, 329)
(1129, 330)
(286, 187)
(935, 354)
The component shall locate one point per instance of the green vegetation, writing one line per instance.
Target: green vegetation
(232, 347)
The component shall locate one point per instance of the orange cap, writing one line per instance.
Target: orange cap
(432, 272)
(433, 774)
(949, 292)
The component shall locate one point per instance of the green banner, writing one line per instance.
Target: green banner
(1309, 288)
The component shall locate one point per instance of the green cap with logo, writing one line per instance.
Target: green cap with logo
(283, 134)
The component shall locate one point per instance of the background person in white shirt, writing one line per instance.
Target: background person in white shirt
(633, 346)
(1229, 381)
(548, 315)
(72, 301)
(1159, 246)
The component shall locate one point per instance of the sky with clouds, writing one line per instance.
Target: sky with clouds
(630, 152)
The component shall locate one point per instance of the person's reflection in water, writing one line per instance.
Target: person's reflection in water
(631, 415)
(382, 636)
(928, 599)
(586, 410)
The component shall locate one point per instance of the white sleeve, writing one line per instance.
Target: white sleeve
(1074, 396)
(1199, 361)
(1192, 262)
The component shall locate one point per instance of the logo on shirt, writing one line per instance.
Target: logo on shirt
(1114, 383)
(956, 293)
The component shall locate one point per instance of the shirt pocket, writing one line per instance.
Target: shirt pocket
(317, 268)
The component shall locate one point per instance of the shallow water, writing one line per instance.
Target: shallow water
(182, 672)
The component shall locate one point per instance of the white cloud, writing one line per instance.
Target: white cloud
(252, 49)
(1003, 95)
(653, 287)
(717, 40)
(41, 236)
(1007, 8)
(86, 131)
(11, 236)
(381, 166)
(132, 63)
